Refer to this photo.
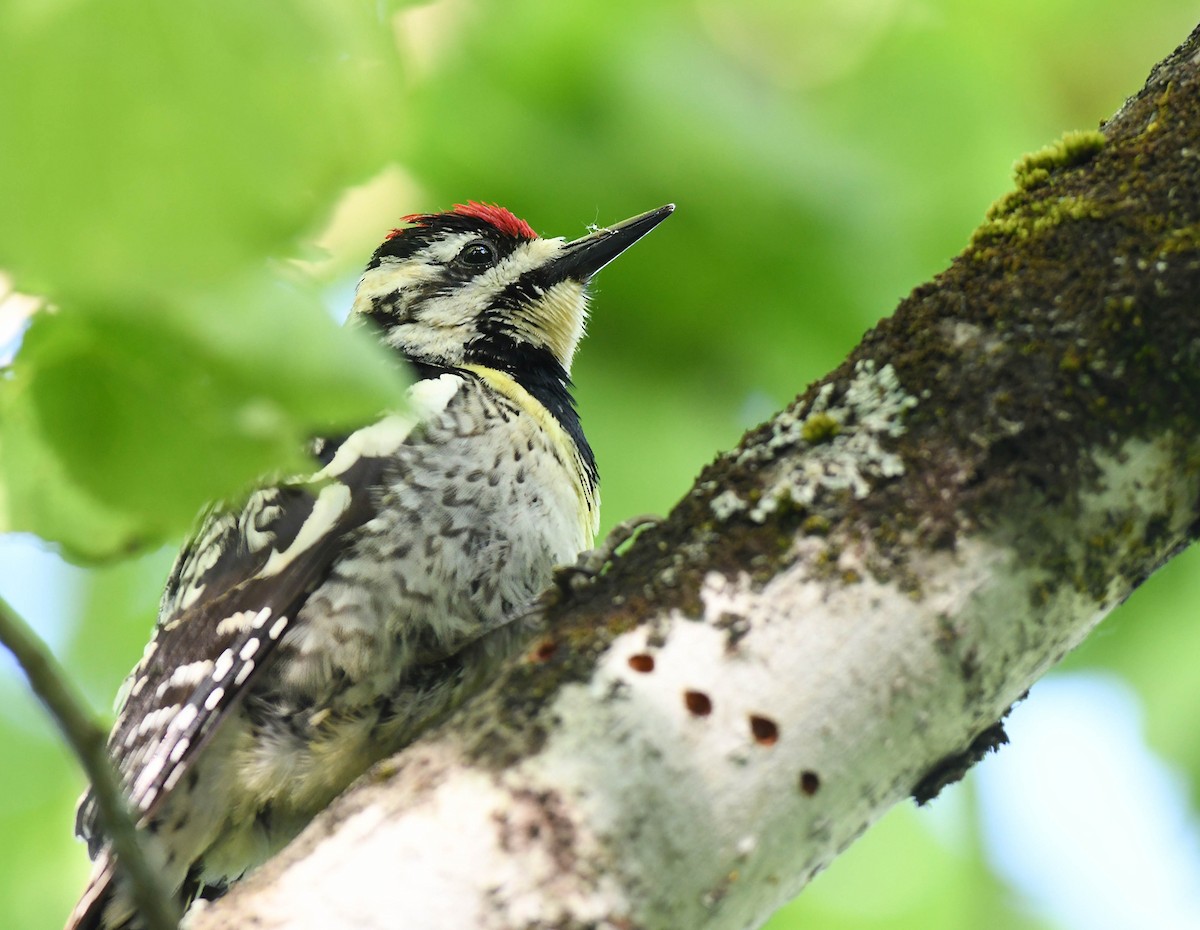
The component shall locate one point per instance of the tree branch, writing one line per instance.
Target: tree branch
(48, 681)
(842, 608)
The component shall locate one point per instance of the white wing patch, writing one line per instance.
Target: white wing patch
(379, 439)
(426, 398)
(331, 503)
(429, 397)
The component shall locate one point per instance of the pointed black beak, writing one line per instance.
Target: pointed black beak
(583, 257)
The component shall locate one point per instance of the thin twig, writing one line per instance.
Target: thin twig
(153, 899)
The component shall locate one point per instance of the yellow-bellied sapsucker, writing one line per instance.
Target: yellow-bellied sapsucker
(325, 623)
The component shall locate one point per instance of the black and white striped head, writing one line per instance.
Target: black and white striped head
(476, 285)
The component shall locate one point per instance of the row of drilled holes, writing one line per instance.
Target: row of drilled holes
(764, 730)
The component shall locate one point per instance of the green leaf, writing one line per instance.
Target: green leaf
(36, 494)
(153, 146)
(134, 415)
(154, 155)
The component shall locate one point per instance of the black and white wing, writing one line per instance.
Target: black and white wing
(234, 591)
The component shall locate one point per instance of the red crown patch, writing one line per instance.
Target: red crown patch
(504, 220)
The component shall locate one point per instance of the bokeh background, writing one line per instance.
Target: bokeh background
(197, 185)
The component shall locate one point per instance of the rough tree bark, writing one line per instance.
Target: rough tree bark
(841, 610)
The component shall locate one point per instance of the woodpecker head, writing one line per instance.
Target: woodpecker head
(476, 285)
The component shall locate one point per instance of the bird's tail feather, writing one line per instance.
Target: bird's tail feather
(96, 909)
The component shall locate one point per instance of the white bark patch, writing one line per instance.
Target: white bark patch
(513, 860)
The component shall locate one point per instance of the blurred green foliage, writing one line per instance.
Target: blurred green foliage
(160, 163)
(155, 156)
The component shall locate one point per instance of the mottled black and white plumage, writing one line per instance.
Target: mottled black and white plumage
(327, 621)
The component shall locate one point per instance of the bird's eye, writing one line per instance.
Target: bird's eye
(477, 254)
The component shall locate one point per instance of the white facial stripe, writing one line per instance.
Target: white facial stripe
(374, 441)
(444, 250)
(331, 503)
(448, 322)
(526, 257)
(392, 276)
(387, 279)
(475, 296)
(431, 396)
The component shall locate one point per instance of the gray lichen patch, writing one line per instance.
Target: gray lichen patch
(840, 442)
(1137, 512)
(726, 504)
